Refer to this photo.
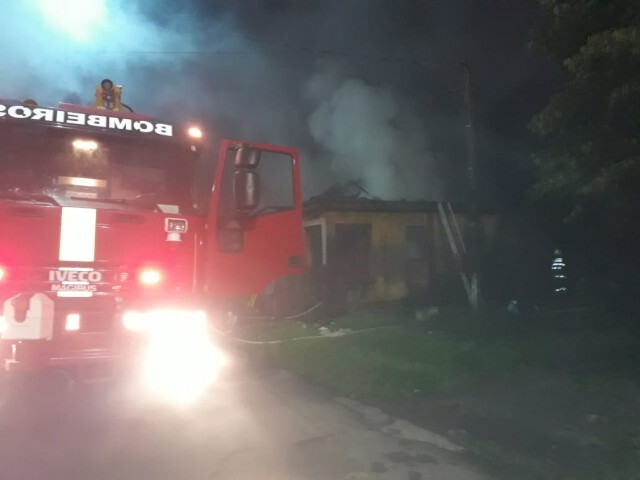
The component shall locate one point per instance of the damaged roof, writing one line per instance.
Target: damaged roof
(352, 197)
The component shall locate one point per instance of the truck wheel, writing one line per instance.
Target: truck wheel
(225, 322)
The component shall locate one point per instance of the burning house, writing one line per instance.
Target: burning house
(363, 249)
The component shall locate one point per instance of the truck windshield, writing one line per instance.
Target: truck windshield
(76, 167)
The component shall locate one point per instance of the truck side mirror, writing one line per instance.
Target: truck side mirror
(246, 190)
(247, 157)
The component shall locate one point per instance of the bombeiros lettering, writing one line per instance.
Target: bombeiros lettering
(75, 118)
(97, 121)
(19, 111)
(120, 123)
(42, 114)
(143, 126)
(50, 115)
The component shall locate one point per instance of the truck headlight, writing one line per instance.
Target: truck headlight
(150, 276)
(180, 362)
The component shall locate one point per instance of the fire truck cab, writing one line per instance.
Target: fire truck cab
(109, 228)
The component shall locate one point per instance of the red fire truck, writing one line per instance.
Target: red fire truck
(110, 227)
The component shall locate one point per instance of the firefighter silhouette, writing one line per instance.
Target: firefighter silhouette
(559, 273)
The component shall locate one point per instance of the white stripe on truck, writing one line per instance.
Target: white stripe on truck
(78, 235)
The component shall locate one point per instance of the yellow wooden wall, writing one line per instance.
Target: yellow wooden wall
(386, 262)
(388, 265)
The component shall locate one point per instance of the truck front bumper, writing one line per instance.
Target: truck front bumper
(82, 350)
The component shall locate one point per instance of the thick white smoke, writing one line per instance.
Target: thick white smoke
(365, 134)
(54, 49)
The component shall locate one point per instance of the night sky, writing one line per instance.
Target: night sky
(368, 89)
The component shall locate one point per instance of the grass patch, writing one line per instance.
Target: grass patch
(551, 395)
(396, 362)
(399, 362)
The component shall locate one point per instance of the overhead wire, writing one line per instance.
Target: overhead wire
(291, 49)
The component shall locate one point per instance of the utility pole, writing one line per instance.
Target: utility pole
(472, 260)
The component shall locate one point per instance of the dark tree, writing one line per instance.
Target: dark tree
(590, 165)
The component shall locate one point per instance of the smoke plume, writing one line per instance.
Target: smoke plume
(52, 52)
(366, 134)
(203, 63)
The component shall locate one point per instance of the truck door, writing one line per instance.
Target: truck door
(254, 228)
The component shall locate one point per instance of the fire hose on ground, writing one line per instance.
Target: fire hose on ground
(329, 334)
